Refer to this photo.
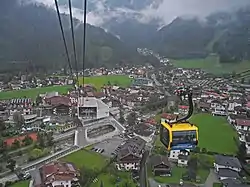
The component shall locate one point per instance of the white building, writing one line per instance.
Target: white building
(91, 107)
(174, 154)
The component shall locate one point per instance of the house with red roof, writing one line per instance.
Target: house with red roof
(242, 124)
(56, 174)
(183, 109)
(60, 105)
(169, 117)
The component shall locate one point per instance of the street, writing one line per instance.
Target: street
(143, 170)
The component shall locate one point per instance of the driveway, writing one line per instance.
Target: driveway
(212, 178)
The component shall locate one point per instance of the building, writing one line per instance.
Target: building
(174, 154)
(28, 119)
(160, 165)
(227, 162)
(182, 109)
(247, 141)
(143, 82)
(56, 174)
(218, 108)
(23, 105)
(183, 158)
(130, 154)
(227, 167)
(91, 107)
(60, 105)
(233, 183)
(242, 124)
(228, 174)
(169, 117)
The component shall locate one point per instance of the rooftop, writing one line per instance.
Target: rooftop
(55, 171)
(227, 161)
(87, 102)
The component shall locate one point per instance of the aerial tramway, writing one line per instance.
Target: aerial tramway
(180, 134)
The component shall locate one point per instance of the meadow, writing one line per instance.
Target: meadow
(33, 92)
(21, 184)
(96, 81)
(99, 81)
(92, 160)
(87, 159)
(215, 134)
(211, 64)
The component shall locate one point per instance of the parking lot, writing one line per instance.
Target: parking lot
(109, 146)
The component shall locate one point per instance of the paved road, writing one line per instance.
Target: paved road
(143, 170)
(33, 165)
(155, 80)
(212, 178)
(82, 142)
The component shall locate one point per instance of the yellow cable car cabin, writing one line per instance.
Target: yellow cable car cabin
(178, 136)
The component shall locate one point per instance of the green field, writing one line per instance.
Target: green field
(108, 180)
(99, 81)
(215, 134)
(87, 159)
(212, 65)
(33, 92)
(21, 184)
(178, 172)
(92, 160)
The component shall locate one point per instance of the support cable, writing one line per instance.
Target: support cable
(73, 42)
(84, 37)
(63, 37)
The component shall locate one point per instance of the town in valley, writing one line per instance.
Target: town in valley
(105, 131)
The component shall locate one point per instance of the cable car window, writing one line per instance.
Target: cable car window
(184, 137)
(164, 136)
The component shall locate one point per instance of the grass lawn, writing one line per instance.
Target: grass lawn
(33, 92)
(99, 81)
(87, 159)
(215, 133)
(109, 180)
(177, 173)
(212, 64)
(217, 185)
(21, 184)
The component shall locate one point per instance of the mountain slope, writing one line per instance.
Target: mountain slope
(183, 39)
(31, 33)
(226, 34)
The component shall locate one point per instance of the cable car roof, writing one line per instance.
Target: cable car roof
(180, 126)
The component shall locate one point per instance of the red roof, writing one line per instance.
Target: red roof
(248, 104)
(168, 116)
(10, 141)
(99, 94)
(58, 171)
(151, 121)
(57, 100)
(183, 107)
(243, 122)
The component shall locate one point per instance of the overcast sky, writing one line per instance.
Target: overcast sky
(167, 11)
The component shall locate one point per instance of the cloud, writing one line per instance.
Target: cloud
(169, 9)
(163, 10)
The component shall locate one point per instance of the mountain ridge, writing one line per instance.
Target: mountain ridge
(31, 33)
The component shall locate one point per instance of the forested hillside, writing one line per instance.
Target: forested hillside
(31, 34)
(227, 34)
